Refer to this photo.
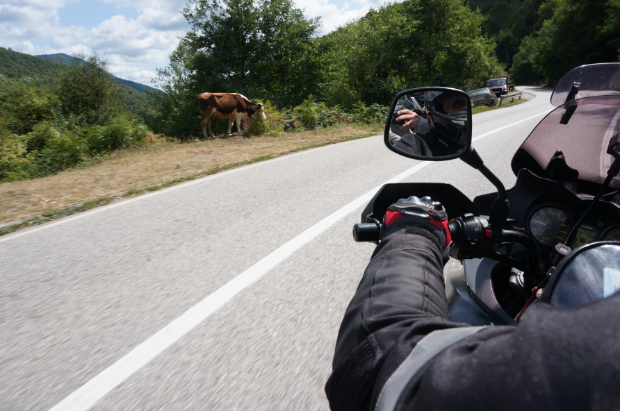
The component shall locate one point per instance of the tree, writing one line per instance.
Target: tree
(411, 44)
(576, 33)
(88, 92)
(262, 49)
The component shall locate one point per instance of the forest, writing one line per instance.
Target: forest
(538, 41)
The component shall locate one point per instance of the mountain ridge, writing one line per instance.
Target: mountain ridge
(16, 65)
(65, 59)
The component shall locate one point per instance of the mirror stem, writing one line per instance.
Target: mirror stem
(473, 159)
(500, 207)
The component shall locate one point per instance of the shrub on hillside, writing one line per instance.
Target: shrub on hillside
(45, 128)
(26, 102)
(14, 157)
(62, 151)
(120, 133)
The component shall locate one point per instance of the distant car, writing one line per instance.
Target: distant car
(500, 85)
(482, 96)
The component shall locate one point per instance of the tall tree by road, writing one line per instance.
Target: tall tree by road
(262, 49)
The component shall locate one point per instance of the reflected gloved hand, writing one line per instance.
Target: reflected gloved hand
(423, 213)
(408, 118)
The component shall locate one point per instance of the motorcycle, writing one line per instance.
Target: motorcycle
(557, 228)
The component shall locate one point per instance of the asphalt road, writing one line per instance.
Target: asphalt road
(84, 300)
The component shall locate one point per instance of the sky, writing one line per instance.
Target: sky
(134, 36)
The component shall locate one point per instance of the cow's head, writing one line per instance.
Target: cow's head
(256, 108)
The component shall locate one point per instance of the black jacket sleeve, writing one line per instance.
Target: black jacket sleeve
(555, 359)
(400, 299)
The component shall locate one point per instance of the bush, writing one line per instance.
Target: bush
(61, 152)
(309, 112)
(372, 114)
(25, 103)
(41, 133)
(257, 125)
(14, 158)
(314, 115)
(120, 133)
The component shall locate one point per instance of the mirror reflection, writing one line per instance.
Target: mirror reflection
(430, 124)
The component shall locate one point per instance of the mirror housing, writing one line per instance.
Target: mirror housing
(429, 123)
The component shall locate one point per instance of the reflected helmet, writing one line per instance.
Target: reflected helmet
(449, 127)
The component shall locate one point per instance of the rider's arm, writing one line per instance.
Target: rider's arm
(400, 299)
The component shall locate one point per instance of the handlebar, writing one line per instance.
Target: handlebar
(472, 238)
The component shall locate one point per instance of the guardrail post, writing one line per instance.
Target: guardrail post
(510, 96)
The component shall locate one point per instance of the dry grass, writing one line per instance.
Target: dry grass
(132, 172)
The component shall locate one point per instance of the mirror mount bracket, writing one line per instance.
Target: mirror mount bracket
(501, 206)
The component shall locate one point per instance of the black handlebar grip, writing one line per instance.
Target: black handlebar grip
(366, 232)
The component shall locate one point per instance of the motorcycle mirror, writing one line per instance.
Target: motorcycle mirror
(429, 123)
(589, 274)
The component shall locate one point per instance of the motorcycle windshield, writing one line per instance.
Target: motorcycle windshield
(583, 139)
(593, 79)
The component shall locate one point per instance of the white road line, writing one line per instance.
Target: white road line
(95, 389)
(87, 395)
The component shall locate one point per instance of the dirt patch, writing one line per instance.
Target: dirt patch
(132, 172)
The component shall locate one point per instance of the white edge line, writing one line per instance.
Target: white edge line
(198, 180)
(95, 389)
(91, 392)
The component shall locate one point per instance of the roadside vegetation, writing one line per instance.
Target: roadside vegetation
(270, 51)
(159, 165)
(46, 127)
(482, 108)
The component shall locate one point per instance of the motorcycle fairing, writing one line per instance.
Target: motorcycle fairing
(583, 141)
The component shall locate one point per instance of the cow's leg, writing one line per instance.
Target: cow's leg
(211, 132)
(204, 127)
(238, 118)
(230, 123)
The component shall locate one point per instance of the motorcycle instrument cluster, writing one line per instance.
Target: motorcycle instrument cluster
(612, 234)
(550, 224)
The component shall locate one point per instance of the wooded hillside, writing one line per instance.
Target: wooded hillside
(17, 65)
(540, 40)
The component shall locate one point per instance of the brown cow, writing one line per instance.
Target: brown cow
(232, 106)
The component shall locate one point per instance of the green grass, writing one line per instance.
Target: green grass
(481, 109)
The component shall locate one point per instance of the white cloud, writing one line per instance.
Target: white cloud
(134, 47)
(333, 17)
